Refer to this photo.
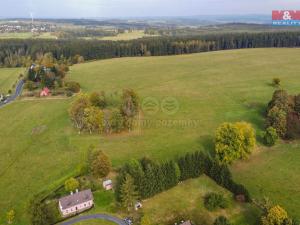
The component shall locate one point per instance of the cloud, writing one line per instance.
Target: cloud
(121, 8)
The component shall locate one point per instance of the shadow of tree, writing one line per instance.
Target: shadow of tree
(207, 144)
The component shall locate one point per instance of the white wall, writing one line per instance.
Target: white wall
(80, 208)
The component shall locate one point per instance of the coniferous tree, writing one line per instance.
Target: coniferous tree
(128, 193)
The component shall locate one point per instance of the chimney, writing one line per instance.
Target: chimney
(76, 190)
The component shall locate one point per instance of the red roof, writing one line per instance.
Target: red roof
(45, 92)
(46, 89)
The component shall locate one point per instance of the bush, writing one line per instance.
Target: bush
(116, 121)
(275, 215)
(58, 92)
(293, 125)
(270, 136)
(277, 119)
(212, 201)
(71, 184)
(100, 164)
(234, 141)
(297, 103)
(276, 81)
(221, 220)
(41, 213)
(191, 165)
(98, 99)
(69, 93)
(73, 86)
(30, 85)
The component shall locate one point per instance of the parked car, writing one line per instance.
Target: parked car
(3, 98)
(128, 221)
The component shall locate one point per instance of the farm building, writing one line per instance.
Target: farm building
(107, 185)
(45, 92)
(76, 203)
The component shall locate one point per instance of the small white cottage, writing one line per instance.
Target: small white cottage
(76, 203)
(107, 185)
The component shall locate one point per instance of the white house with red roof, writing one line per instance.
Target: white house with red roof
(45, 92)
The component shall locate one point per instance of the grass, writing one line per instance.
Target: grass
(186, 201)
(26, 35)
(136, 34)
(210, 88)
(274, 176)
(95, 222)
(8, 78)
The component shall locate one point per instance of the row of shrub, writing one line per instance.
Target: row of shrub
(193, 165)
(283, 114)
(151, 178)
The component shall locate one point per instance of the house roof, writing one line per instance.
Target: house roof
(46, 89)
(107, 182)
(76, 199)
(186, 223)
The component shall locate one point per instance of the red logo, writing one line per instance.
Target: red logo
(286, 15)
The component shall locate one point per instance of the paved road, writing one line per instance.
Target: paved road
(15, 95)
(95, 216)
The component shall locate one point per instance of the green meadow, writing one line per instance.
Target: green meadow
(39, 147)
(27, 35)
(135, 34)
(8, 78)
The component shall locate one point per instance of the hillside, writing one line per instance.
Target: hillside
(39, 148)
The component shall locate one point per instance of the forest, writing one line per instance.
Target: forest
(18, 53)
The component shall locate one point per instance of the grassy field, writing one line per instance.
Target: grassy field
(136, 34)
(39, 148)
(8, 77)
(272, 173)
(26, 35)
(187, 200)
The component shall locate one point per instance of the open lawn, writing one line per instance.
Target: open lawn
(136, 34)
(8, 78)
(39, 148)
(26, 35)
(95, 222)
(186, 201)
(273, 173)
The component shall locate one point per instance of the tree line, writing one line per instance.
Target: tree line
(16, 53)
(142, 179)
(95, 113)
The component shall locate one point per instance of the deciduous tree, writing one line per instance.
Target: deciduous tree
(116, 121)
(93, 119)
(98, 99)
(101, 164)
(276, 118)
(234, 141)
(270, 136)
(77, 111)
(276, 216)
(10, 216)
(71, 184)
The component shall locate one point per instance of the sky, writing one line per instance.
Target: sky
(138, 8)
